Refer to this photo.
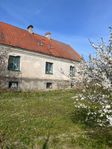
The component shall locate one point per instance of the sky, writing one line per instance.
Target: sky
(74, 22)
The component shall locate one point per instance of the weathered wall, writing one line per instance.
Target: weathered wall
(32, 70)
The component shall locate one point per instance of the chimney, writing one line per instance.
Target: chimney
(48, 35)
(30, 29)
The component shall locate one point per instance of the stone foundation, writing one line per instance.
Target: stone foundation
(26, 84)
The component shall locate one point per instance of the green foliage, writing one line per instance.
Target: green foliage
(80, 115)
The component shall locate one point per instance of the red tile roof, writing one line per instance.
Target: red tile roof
(16, 37)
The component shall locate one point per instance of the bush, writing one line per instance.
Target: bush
(93, 107)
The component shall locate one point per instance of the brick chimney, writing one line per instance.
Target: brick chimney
(30, 29)
(48, 35)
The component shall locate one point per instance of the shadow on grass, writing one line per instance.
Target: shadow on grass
(45, 145)
(100, 135)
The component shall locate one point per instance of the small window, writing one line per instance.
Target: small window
(49, 85)
(14, 63)
(49, 68)
(13, 84)
(72, 71)
(40, 43)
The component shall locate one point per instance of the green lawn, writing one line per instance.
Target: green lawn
(38, 120)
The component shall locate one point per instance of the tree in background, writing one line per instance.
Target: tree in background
(8, 75)
(3, 63)
(93, 105)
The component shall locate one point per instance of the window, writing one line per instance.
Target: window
(49, 85)
(40, 43)
(49, 68)
(13, 84)
(14, 63)
(72, 71)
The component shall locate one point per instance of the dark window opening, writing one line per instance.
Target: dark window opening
(49, 68)
(49, 85)
(72, 84)
(13, 85)
(14, 63)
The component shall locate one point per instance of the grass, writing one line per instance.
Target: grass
(41, 120)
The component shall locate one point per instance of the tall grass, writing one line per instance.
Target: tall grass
(39, 120)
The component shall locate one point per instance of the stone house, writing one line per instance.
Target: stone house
(36, 62)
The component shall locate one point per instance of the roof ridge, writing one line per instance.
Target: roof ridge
(22, 29)
(13, 26)
(61, 42)
(32, 33)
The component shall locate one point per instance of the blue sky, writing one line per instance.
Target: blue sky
(70, 21)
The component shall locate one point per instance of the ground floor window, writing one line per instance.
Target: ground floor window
(49, 85)
(72, 84)
(13, 84)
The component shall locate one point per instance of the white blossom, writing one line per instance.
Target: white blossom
(96, 78)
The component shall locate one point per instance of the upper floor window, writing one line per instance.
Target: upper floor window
(14, 63)
(49, 68)
(72, 71)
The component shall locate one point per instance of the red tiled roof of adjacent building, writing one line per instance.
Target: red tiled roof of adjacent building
(16, 37)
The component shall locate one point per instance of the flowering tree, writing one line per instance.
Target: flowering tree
(94, 103)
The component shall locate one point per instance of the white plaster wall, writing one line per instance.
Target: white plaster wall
(32, 65)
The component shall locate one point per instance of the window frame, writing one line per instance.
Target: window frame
(47, 71)
(72, 71)
(14, 60)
